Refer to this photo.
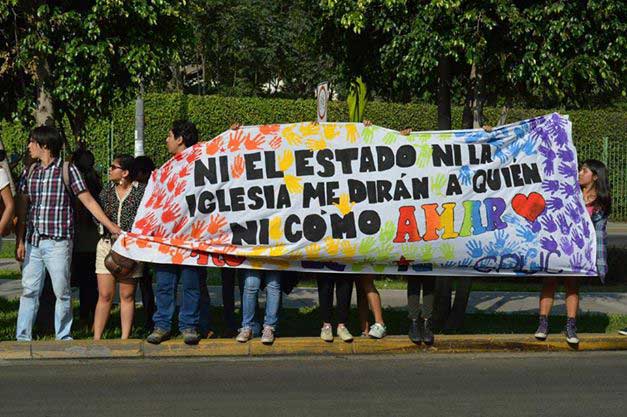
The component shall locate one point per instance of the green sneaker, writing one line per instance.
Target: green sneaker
(344, 334)
(377, 331)
(157, 336)
(326, 333)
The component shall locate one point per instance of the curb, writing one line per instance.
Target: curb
(300, 346)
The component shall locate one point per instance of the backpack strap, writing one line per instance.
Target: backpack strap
(66, 177)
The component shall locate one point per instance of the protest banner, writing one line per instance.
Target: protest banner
(345, 197)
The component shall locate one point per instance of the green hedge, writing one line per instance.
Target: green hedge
(601, 134)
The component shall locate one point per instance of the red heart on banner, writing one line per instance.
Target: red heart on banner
(529, 207)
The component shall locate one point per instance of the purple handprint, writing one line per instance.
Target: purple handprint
(577, 263)
(549, 244)
(567, 170)
(547, 152)
(536, 226)
(567, 246)
(566, 154)
(569, 190)
(555, 203)
(578, 239)
(586, 229)
(588, 252)
(549, 223)
(573, 213)
(563, 224)
(551, 186)
(549, 167)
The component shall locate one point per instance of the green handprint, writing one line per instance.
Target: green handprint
(445, 136)
(424, 137)
(378, 268)
(410, 251)
(437, 183)
(384, 251)
(358, 267)
(366, 246)
(411, 138)
(368, 134)
(425, 253)
(448, 251)
(387, 232)
(424, 155)
(390, 138)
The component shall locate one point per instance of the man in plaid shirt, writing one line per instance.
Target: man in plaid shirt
(47, 243)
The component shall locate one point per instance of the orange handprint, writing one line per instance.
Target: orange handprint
(178, 225)
(197, 228)
(165, 249)
(184, 172)
(235, 140)
(146, 224)
(269, 129)
(179, 256)
(221, 240)
(171, 213)
(165, 172)
(216, 222)
(237, 169)
(180, 187)
(159, 198)
(143, 243)
(254, 143)
(153, 176)
(160, 232)
(194, 155)
(151, 200)
(276, 142)
(214, 146)
(171, 183)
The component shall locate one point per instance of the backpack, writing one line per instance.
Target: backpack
(65, 174)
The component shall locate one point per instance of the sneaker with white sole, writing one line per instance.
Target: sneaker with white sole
(623, 331)
(344, 334)
(267, 335)
(571, 331)
(377, 331)
(326, 333)
(245, 334)
(543, 328)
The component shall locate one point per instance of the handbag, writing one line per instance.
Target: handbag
(120, 266)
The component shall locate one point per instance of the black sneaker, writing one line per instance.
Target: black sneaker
(543, 328)
(190, 336)
(157, 336)
(415, 331)
(427, 332)
(571, 331)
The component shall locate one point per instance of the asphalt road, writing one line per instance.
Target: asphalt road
(562, 384)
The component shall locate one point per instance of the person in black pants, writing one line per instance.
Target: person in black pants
(343, 284)
(420, 327)
(229, 275)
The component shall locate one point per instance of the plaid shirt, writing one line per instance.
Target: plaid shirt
(599, 219)
(50, 212)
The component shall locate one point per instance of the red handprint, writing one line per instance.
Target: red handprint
(170, 213)
(198, 228)
(269, 129)
(216, 222)
(160, 232)
(151, 199)
(172, 183)
(254, 143)
(184, 172)
(127, 241)
(165, 172)
(214, 146)
(159, 200)
(276, 142)
(178, 225)
(235, 140)
(146, 224)
(179, 256)
(237, 169)
(153, 176)
(180, 187)
(194, 155)
(165, 249)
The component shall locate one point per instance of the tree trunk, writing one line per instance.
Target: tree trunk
(479, 96)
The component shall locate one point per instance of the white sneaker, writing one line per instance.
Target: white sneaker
(267, 336)
(377, 331)
(326, 333)
(623, 331)
(344, 334)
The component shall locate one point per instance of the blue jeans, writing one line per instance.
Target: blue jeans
(252, 282)
(204, 321)
(167, 277)
(54, 256)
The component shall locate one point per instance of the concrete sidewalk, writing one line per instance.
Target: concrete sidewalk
(87, 349)
(480, 301)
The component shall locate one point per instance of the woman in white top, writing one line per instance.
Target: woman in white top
(7, 205)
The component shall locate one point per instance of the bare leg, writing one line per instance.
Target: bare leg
(547, 296)
(363, 312)
(127, 306)
(106, 290)
(572, 296)
(374, 299)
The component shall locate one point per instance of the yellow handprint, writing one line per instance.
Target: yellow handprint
(332, 245)
(348, 249)
(345, 206)
(256, 251)
(312, 251)
(275, 228)
(330, 131)
(351, 132)
(278, 250)
(316, 144)
(286, 161)
(293, 184)
(310, 129)
(290, 136)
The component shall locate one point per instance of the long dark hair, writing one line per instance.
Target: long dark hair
(601, 185)
(84, 160)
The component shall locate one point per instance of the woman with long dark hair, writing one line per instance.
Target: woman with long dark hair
(595, 185)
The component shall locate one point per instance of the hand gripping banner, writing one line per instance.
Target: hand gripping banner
(345, 197)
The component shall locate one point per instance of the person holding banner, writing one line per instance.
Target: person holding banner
(343, 289)
(594, 182)
(252, 284)
(368, 296)
(181, 136)
(120, 200)
(7, 204)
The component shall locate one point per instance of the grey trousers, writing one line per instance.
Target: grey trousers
(413, 296)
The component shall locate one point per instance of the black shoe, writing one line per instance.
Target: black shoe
(190, 336)
(157, 336)
(415, 331)
(427, 332)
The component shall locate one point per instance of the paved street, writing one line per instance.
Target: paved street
(564, 384)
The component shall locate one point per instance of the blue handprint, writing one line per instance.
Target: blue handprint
(465, 175)
(501, 239)
(529, 147)
(510, 218)
(474, 248)
(525, 233)
(465, 263)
